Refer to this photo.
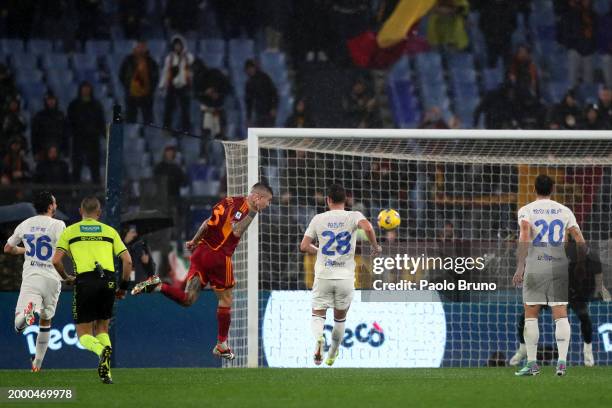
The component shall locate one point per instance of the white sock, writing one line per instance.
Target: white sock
(316, 324)
(19, 322)
(532, 336)
(337, 336)
(42, 341)
(562, 334)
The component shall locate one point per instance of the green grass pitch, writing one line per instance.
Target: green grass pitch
(343, 388)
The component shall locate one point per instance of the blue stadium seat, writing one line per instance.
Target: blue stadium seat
(212, 45)
(55, 61)
(492, 78)
(11, 46)
(241, 46)
(59, 76)
(285, 107)
(587, 93)
(122, 48)
(90, 75)
(22, 60)
(463, 75)
(190, 149)
(98, 47)
(158, 49)
(84, 62)
(28, 74)
(33, 90)
(213, 60)
(40, 47)
(403, 103)
(401, 69)
(557, 90)
(601, 7)
(429, 67)
(463, 60)
(434, 95)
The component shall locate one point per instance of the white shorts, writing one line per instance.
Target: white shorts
(332, 293)
(42, 292)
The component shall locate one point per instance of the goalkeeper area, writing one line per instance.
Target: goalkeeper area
(456, 387)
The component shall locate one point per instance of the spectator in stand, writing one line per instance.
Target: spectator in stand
(132, 14)
(604, 103)
(8, 90)
(523, 74)
(14, 123)
(604, 44)
(432, 119)
(360, 107)
(210, 87)
(500, 107)
(139, 73)
(301, 117)
(176, 80)
(15, 167)
(577, 31)
(567, 113)
(261, 96)
(170, 175)
(87, 128)
(52, 169)
(446, 25)
(143, 265)
(49, 128)
(591, 119)
(497, 21)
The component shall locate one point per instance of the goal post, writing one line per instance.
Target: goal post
(470, 182)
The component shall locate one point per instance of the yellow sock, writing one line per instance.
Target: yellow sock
(91, 343)
(104, 339)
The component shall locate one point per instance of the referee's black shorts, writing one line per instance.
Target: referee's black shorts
(93, 297)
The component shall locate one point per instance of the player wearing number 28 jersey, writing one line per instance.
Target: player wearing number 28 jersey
(335, 267)
(41, 284)
(211, 260)
(542, 268)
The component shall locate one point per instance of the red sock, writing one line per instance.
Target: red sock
(176, 294)
(224, 318)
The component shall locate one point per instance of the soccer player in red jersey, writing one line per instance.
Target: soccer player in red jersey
(211, 259)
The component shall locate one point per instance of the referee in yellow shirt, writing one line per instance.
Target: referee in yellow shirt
(93, 246)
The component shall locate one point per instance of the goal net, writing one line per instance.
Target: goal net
(457, 193)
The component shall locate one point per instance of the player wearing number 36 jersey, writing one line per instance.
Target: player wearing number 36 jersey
(335, 267)
(41, 284)
(542, 268)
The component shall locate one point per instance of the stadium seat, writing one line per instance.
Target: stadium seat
(84, 62)
(22, 60)
(40, 47)
(11, 46)
(601, 7)
(212, 45)
(403, 103)
(285, 107)
(434, 95)
(213, 60)
(190, 149)
(122, 48)
(400, 70)
(55, 61)
(240, 51)
(90, 75)
(557, 90)
(98, 47)
(33, 89)
(492, 78)
(587, 93)
(157, 49)
(28, 74)
(429, 67)
(463, 60)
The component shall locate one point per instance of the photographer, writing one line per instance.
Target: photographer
(143, 265)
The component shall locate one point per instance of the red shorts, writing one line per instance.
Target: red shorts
(212, 267)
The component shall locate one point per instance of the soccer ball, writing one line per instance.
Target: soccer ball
(389, 219)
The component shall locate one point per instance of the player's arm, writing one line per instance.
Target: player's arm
(240, 227)
(14, 250)
(58, 256)
(198, 235)
(366, 227)
(307, 246)
(522, 251)
(581, 248)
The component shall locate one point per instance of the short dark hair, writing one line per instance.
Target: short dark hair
(250, 63)
(42, 201)
(544, 185)
(336, 193)
(90, 204)
(262, 187)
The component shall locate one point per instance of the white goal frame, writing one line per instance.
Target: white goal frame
(254, 134)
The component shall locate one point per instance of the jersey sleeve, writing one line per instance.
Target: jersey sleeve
(118, 245)
(571, 222)
(523, 215)
(311, 230)
(62, 242)
(59, 227)
(17, 236)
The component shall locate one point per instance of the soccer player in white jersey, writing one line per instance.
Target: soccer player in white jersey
(41, 284)
(542, 269)
(335, 267)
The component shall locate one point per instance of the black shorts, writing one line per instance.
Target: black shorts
(93, 297)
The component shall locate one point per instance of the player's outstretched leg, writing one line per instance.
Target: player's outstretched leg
(42, 342)
(316, 324)
(337, 336)
(26, 318)
(147, 286)
(519, 356)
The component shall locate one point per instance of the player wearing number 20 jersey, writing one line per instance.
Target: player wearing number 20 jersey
(41, 284)
(335, 266)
